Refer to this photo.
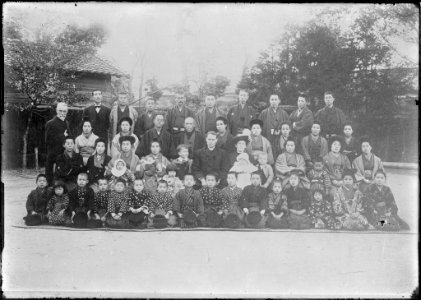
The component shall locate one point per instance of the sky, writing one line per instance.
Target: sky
(213, 39)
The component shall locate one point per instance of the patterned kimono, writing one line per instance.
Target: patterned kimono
(277, 205)
(55, 206)
(321, 215)
(381, 210)
(101, 203)
(231, 201)
(153, 171)
(174, 184)
(347, 205)
(117, 203)
(212, 198)
(335, 166)
(137, 200)
(161, 202)
(319, 180)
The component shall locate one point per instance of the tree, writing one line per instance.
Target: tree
(215, 86)
(37, 65)
(154, 90)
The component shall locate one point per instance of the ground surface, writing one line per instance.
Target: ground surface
(40, 262)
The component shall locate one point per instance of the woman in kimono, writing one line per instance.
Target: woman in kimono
(335, 163)
(224, 137)
(347, 204)
(125, 125)
(97, 164)
(313, 146)
(154, 166)
(380, 206)
(85, 143)
(367, 164)
(258, 142)
(350, 143)
(289, 161)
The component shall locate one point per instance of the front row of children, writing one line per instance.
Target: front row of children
(292, 207)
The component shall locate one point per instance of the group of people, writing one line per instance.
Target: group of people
(209, 169)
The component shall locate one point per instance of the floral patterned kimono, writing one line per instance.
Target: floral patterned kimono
(154, 166)
(231, 201)
(321, 215)
(335, 166)
(277, 205)
(347, 205)
(55, 206)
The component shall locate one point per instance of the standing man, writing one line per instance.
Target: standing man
(121, 110)
(56, 131)
(240, 115)
(99, 116)
(272, 118)
(158, 133)
(331, 119)
(190, 137)
(177, 115)
(301, 120)
(210, 159)
(145, 121)
(206, 117)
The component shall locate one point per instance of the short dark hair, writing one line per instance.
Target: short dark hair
(101, 178)
(329, 93)
(182, 146)
(286, 123)
(380, 172)
(69, 137)
(210, 133)
(162, 182)
(39, 176)
(188, 174)
(302, 95)
(212, 174)
(83, 173)
(96, 91)
(318, 159)
(159, 114)
(119, 179)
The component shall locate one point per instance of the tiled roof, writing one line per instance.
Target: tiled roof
(95, 64)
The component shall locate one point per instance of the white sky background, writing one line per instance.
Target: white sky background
(218, 38)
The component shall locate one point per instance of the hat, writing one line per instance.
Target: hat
(334, 139)
(232, 221)
(129, 138)
(159, 221)
(128, 119)
(253, 218)
(240, 137)
(189, 217)
(256, 121)
(80, 220)
(213, 219)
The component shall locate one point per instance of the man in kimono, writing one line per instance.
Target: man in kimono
(177, 115)
(121, 110)
(190, 137)
(301, 120)
(240, 115)
(157, 133)
(99, 115)
(145, 121)
(206, 117)
(331, 119)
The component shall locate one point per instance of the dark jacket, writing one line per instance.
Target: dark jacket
(199, 141)
(332, 121)
(206, 161)
(88, 202)
(143, 124)
(172, 118)
(37, 200)
(254, 196)
(100, 121)
(94, 172)
(235, 119)
(165, 138)
(54, 135)
(68, 168)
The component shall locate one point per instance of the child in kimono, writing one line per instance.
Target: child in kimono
(36, 203)
(298, 203)
(117, 205)
(189, 199)
(68, 164)
(380, 206)
(277, 209)
(289, 161)
(154, 166)
(231, 197)
(350, 146)
(81, 201)
(243, 167)
(321, 212)
(319, 178)
(138, 203)
(120, 170)
(212, 198)
(174, 183)
(183, 162)
(101, 201)
(265, 169)
(58, 213)
(347, 204)
(254, 199)
(162, 204)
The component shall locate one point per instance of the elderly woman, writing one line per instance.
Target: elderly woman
(335, 162)
(291, 161)
(223, 135)
(85, 143)
(125, 125)
(258, 142)
(367, 165)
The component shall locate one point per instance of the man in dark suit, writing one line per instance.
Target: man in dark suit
(239, 116)
(99, 115)
(56, 131)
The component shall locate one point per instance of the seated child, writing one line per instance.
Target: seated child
(183, 162)
(212, 201)
(58, 213)
(101, 201)
(297, 203)
(189, 199)
(243, 167)
(277, 207)
(68, 164)
(81, 201)
(154, 166)
(174, 183)
(120, 170)
(319, 178)
(117, 205)
(321, 212)
(36, 204)
(265, 169)
(290, 161)
(231, 197)
(347, 204)
(350, 146)
(254, 199)
(138, 205)
(128, 155)
(380, 206)
(161, 205)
